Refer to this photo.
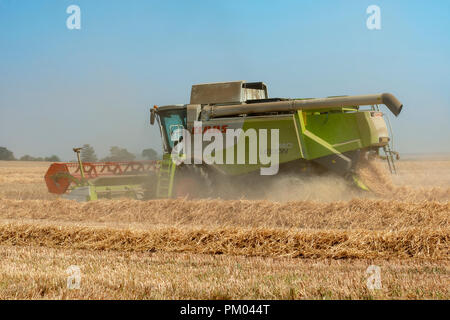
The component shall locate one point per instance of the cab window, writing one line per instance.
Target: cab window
(172, 122)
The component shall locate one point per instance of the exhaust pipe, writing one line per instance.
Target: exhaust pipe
(309, 104)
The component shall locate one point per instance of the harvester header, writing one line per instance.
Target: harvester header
(61, 175)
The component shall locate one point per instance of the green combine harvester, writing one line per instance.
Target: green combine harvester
(301, 137)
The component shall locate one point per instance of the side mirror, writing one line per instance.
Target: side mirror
(152, 116)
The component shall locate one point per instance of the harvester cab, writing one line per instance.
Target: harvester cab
(172, 121)
(314, 136)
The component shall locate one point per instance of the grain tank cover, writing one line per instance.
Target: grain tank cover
(227, 92)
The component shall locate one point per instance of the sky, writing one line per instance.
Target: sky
(61, 88)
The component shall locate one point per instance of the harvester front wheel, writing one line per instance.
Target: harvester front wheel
(149, 187)
(191, 181)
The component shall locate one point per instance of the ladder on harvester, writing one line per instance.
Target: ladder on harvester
(166, 175)
(389, 153)
(390, 158)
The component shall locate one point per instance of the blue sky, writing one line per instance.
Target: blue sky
(61, 88)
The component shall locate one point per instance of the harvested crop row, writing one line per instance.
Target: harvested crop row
(41, 273)
(412, 243)
(355, 214)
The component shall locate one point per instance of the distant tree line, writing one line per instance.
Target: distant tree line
(87, 155)
(52, 158)
(5, 154)
(150, 154)
(8, 155)
(116, 154)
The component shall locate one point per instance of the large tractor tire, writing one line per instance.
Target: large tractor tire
(149, 187)
(191, 181)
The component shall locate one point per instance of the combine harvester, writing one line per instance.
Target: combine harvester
(315, 136)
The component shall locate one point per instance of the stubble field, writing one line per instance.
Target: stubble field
(310, 240)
